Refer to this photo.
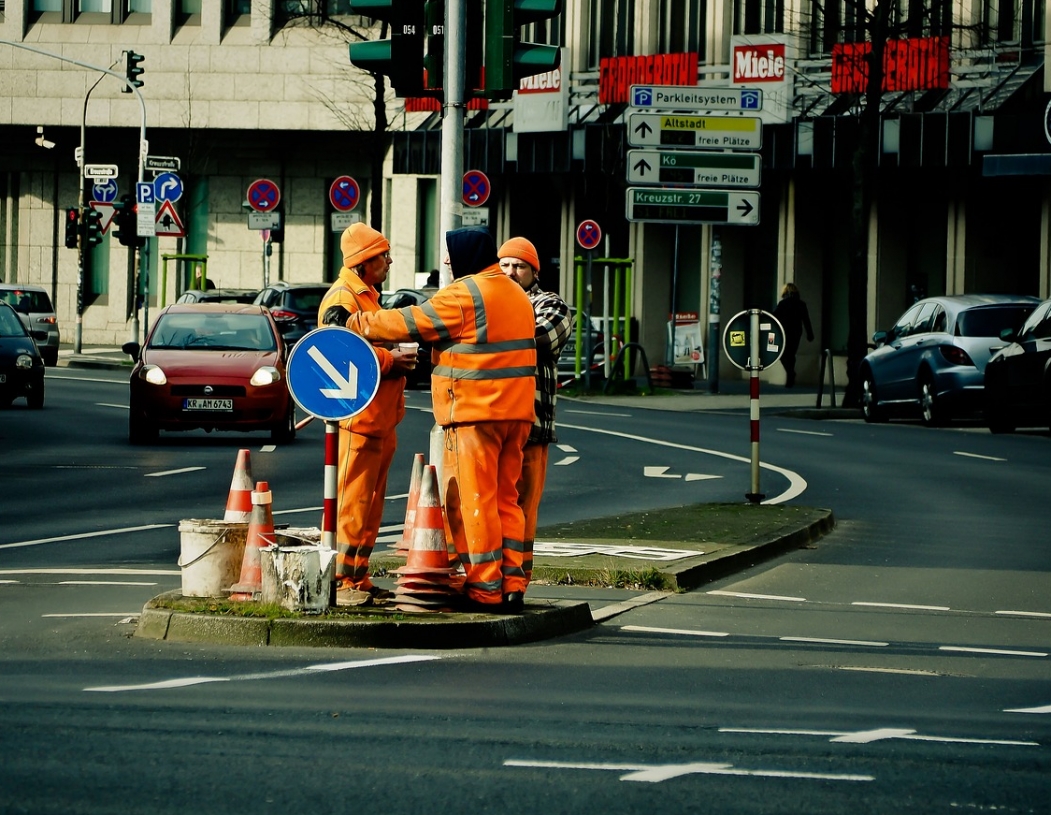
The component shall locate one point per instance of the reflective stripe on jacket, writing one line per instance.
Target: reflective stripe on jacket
(388, 408)
(481, 330)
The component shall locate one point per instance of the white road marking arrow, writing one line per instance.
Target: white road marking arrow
(662, 472)
(656, 773)
(1044, 709)
(345, 388)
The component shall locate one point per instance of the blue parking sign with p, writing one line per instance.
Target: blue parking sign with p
(144, 193)
(642, 96)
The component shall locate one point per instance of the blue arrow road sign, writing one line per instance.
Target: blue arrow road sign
(104, 191)
(167, 187)
(333, 373)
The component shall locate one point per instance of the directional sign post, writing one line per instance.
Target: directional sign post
(692, 206)
(711, 132)
(673, 167)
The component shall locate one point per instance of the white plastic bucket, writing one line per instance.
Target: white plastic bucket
(211, 556)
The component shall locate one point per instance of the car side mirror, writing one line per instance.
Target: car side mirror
(1008, 335)
(879, 338)
(131, 348)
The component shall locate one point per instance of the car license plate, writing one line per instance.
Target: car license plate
(208, 404)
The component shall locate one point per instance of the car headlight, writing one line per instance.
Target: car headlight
(153, 375)
(265, 376)
(24, 361)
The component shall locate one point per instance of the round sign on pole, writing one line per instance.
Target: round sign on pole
(589, 234)
(737, 340)
(475, 188)
(263, 195)
(333, 373)
(344, 193)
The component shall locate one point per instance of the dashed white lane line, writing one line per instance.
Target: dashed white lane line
(995, 651)
(646, 629)
(1043, 709)
(184, 682)
(747, 596)
(103, 583)
(93, 571)
(1043, 614)
(827, 641)
(803, 432)
(180, 471)
(902, 605)
(97, 614)
(108, 404)
(975, 455)
(655, 773)
(83, 535)
(880, 734)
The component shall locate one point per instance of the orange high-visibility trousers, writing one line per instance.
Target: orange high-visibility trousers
(363, 465)
(530, 491)
(481, 465)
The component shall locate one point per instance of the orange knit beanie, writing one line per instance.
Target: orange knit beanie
(523, 250)
(361, 242)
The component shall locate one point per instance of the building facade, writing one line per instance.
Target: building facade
(242, 91)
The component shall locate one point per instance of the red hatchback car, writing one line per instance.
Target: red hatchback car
(215, 366)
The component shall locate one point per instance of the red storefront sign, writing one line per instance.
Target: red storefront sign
(916, 64)
(618, 74)
(759, 63)
(423, 104)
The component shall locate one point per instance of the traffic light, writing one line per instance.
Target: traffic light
(507, 59)
(434, 56)
(125, 218)
(401, 56)
(72, 227)
(92, 227)
(133, 70)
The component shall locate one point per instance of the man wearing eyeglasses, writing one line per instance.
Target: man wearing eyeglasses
(367, 440)
(520, 262)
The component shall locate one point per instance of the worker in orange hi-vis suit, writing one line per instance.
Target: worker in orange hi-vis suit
(367, 440)
(481, 330)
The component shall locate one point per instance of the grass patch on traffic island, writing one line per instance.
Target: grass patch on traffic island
(726, 524)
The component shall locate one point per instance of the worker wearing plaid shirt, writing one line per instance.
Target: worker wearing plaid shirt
(520, 262)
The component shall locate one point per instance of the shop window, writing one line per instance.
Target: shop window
(759, 17)
(612, 29)
(682, 27)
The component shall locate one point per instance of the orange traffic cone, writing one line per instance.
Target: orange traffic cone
(405, 544)
(260, 534)
(426, 582)
(239, 502)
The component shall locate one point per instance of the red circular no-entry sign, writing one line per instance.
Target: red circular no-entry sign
(344, 193)
(263, 195)
(588, 234)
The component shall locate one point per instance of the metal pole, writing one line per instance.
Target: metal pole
(328, 508)
(670, 355)
(754, 367)
(452, 126)
(715, 274)
(587, 327)
(607, 325)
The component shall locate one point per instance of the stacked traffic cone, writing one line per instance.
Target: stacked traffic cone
(239, 502)
(405, 544)
(427, 582)
(260, 534)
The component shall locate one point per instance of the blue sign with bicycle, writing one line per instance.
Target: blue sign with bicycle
(333, 373)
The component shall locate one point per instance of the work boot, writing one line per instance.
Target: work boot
(514, 603)
(350, 596)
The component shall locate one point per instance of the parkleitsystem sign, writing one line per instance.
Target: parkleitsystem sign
(697, 145)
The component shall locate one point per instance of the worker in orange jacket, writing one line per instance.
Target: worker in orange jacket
(367, 440)
(481, 330)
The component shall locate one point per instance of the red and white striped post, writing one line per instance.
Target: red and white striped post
(328, 507)
(754, 366)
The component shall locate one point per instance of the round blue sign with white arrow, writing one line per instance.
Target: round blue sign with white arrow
(104, 191)
(333, 373)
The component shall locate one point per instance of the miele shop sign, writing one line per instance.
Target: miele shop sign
(759, 63)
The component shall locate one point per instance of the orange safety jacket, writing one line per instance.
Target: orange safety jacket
(388, 408)
(481, 329)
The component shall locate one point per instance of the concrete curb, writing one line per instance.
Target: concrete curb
(543, 619)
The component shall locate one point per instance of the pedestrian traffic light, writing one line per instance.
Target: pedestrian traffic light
(507, 59)
(133, 70)
(72, 227)
(401, 56)
(125, 218)
(92, 227)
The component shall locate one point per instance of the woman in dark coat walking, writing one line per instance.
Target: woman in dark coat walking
(792, 313)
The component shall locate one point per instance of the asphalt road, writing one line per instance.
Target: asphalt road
(899, 664)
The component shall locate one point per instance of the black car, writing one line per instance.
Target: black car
(21, 366)
(218, 296)
(399, 298)
(293, 306)
(1018, 377)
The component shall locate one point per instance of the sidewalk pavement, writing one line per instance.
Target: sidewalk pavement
(560, 601)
